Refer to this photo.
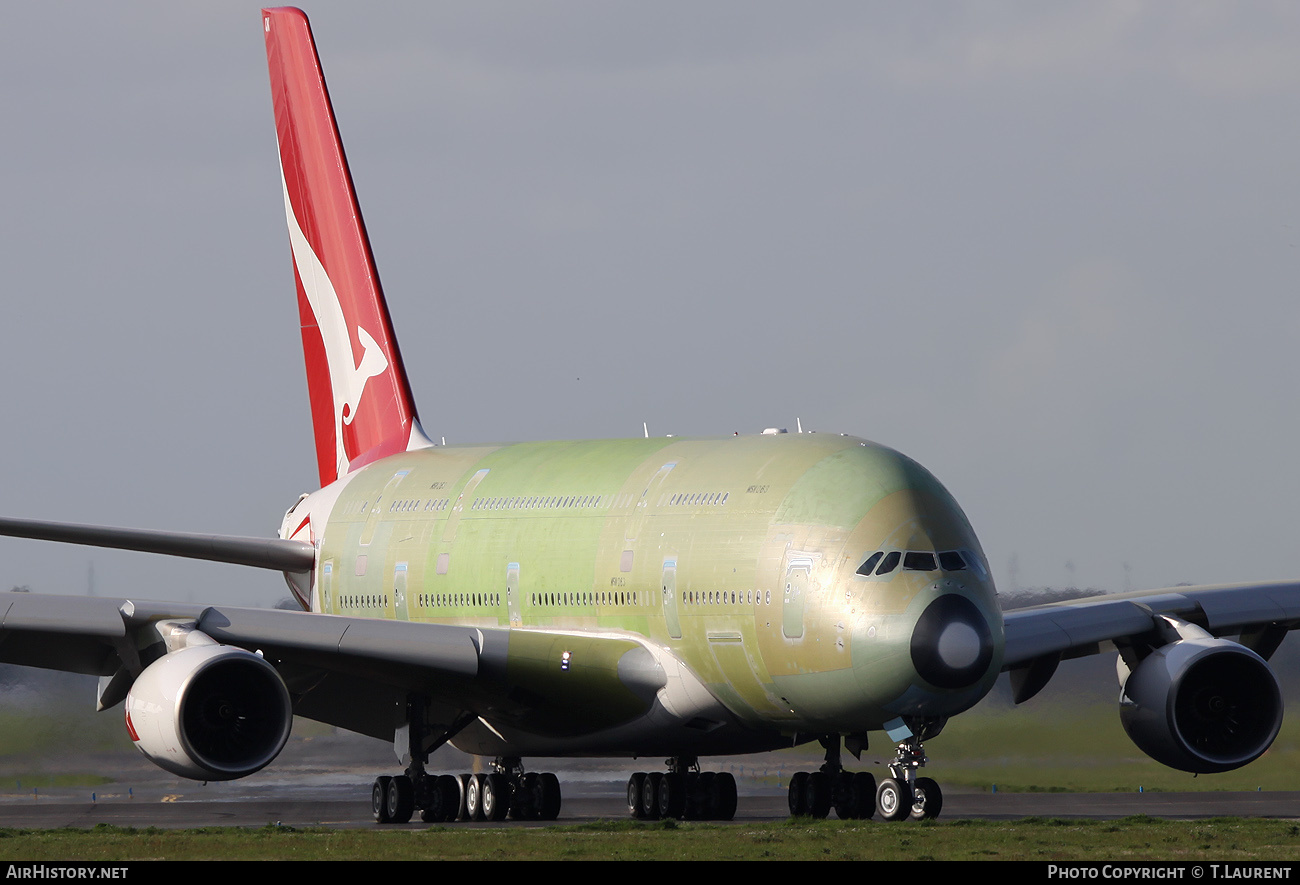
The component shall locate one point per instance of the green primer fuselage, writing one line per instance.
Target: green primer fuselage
(738, 556)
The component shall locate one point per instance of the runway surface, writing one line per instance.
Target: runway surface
(324, 780)
(46, 812)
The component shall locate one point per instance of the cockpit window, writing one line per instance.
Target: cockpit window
(866, 567)
(975, 563)
(951, 561)
(918, 561)
(890, 562)
(882, 562)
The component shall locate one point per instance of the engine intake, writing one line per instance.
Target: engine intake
(1202, 705)
(209, 712)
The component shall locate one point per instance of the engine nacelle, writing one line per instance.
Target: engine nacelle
(209, 712)
(1202, 705)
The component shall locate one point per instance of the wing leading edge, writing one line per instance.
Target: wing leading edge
(1038, 638)
(356, 673)
(269, 553)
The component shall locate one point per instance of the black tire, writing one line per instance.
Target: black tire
(462, 793)
(893, 800)
(400, 799)
(635, 787)
(474, 797)
(672, 796)
(707, 809)
(551, 796)
(695, 801)
(650, 796)
(843, 799)
(798, 794)
(444, 794)
(818, 796)
(379, 799)
(927, 799)
(863, 790)
(496, 797)
(527, 799)
(724, 796)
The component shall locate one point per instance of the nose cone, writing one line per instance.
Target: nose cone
(952, 643)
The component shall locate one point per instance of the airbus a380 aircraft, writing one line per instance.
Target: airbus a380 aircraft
(674, 598)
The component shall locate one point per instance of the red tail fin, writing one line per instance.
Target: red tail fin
(361, 403)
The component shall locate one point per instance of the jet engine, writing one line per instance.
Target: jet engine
(1202, 705)
(209, 712)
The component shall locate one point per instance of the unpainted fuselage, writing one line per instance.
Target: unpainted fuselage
(739, 557)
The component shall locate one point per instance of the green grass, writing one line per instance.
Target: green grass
(1137, 838)
(1053, 747)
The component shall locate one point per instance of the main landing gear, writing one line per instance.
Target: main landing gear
(682, 792)
(506, 791)
(856, 795)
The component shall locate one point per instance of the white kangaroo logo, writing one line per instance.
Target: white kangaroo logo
(348, 381)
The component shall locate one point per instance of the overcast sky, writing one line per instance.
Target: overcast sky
(1051, 251)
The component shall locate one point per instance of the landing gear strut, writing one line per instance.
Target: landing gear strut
(903, 795)
(506, 790)
(856, 795)
(682, 792)
(851, 793)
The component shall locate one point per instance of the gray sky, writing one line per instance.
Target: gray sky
(1050, 251)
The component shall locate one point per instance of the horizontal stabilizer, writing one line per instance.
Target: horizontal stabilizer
(269, 553)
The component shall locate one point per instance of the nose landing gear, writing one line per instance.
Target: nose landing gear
(856, 795)
(903, 795)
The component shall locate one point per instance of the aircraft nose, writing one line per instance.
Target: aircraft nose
(952, 643)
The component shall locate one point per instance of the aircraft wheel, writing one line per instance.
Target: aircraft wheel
(695, 800)
(844, 800)
(927, 799)
(379, 799)
(723, 799)
(399, 799)
(444, 797)
(551, 797)
(708, 804)
(672, 796)
(527, 798)
(798, 794)
(863, 791)
(893, 800)
(495, 797)
(650, 796)
(817, 799)
(474, 797)
(462, 793)
(635, 787)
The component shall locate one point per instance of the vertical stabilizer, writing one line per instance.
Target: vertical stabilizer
(361, 404)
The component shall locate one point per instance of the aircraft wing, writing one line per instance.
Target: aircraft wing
(1039, 637)
(269, 553)
(356, 673)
